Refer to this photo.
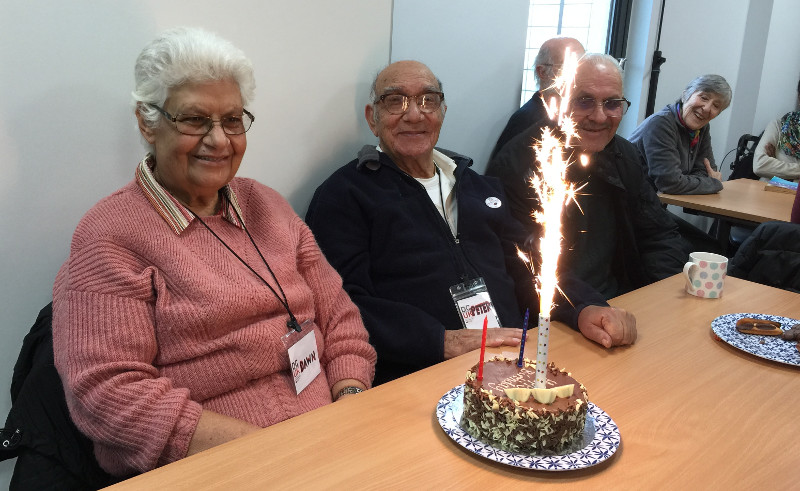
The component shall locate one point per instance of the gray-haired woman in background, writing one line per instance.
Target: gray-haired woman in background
(676, 141)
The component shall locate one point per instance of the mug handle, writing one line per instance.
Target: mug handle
(687, 271)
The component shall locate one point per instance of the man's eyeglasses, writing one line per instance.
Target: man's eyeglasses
(614, 108)
(196, 125)
(398, 103)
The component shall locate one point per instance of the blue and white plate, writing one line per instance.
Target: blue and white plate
(600, 439)
(769, 347)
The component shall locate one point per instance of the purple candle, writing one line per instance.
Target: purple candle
(524, 335)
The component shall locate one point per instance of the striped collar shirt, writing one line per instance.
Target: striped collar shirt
(177, 216)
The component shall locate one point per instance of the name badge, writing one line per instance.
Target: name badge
(303, 357)
(474, 303)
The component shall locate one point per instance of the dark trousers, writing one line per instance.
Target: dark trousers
(700, 241)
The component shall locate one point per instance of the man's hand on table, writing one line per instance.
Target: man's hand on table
(608, 326)
(462, 341)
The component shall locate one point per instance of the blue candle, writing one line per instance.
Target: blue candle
(524, 335)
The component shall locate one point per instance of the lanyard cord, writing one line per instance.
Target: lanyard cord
(447, 222)
(292, 322)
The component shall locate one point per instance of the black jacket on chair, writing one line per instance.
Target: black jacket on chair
(770, 256)
(51, 452)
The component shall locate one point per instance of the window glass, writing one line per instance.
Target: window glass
(585, 20)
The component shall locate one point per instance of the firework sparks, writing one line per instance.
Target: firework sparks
(554, 193)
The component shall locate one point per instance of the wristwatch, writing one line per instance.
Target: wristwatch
(348, 390)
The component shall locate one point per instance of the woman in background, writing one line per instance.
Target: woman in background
(676, 141)
(778, 152)
(185, 289)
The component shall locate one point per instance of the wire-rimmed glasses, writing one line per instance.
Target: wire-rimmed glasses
(196, 125)
(399, 103)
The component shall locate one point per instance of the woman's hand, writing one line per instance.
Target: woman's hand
(215, 429)
(769, 149)
(711, 172)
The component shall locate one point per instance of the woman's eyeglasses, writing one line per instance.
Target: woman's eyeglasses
(196, 125)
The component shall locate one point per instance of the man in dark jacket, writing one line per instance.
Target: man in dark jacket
(619, 237)
(547, 67)
(404, 223)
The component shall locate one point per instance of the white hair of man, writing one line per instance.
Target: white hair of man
(598, 59)
(549, 53)
(373, 91)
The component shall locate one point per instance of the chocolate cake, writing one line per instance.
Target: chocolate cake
(518, 425)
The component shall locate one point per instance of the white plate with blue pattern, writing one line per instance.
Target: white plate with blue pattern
(770, 347)
(600, 439)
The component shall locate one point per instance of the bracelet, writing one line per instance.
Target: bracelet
(348, 390)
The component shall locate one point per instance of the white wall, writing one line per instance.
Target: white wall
(639, 58)
(781, 65)
(748, 82)
(68, 135)
(477, 50)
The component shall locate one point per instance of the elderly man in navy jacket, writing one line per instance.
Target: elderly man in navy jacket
(404, 222)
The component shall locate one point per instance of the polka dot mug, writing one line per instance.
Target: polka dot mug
(705, 274)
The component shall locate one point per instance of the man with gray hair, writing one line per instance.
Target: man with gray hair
(619, 237)
(547, 67)
(413, 231)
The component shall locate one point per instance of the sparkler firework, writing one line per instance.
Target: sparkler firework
(554, 193)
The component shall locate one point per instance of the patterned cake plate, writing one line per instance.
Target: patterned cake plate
(600, 439)
(770, 347)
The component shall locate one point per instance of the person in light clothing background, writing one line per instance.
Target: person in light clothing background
(778, 151)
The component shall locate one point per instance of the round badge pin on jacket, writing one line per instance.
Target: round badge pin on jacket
(493, 202)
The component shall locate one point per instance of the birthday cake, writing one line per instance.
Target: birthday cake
(503, 409)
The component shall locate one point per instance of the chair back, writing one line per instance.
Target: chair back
(742, 165)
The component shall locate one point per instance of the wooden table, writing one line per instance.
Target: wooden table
(742, 200)
(692, 411)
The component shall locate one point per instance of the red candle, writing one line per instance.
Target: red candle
(483, 347)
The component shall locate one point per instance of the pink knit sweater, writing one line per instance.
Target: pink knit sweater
(151, 327)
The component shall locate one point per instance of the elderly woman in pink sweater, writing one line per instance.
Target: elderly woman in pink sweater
(195, 307)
